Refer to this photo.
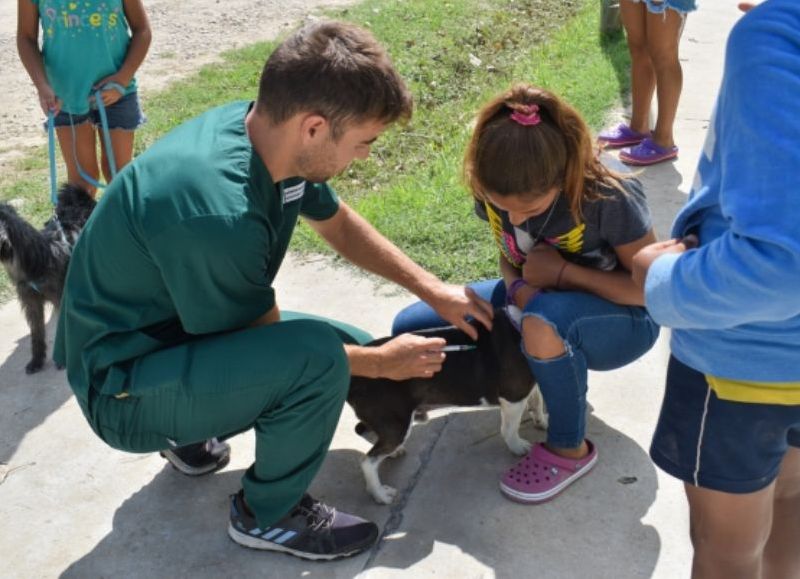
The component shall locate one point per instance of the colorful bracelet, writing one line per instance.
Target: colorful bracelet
(513, 288)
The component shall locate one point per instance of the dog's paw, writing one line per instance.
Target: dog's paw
(398, 452)
(519, 446)
(383, 494)
(33, 366)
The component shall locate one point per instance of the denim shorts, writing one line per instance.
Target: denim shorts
(125, 114)
(727, 446)
(682, 7)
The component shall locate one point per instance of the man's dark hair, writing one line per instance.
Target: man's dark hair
(336, 70)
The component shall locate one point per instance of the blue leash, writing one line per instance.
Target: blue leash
(98, 100)
(51, 152)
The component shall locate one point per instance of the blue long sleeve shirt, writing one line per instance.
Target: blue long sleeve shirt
(734, 302)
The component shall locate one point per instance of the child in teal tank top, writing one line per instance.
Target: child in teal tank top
(86, 45)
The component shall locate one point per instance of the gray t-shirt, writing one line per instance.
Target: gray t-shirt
(615, 219)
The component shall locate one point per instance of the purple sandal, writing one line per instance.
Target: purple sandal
(647, 153)
(620, 136)
(541, 475)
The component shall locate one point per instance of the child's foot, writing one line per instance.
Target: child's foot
(572, 453)
(647, 153)
(542, 474)
(621, 136)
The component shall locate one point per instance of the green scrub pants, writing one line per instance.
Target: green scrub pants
(288, 381)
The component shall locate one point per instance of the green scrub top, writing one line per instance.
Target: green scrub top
(186, 240)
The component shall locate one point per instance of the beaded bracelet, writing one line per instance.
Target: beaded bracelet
(560, 273)
(513, 288)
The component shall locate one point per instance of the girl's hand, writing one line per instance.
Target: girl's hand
(110, 95)
(48, 100)
(543, 266)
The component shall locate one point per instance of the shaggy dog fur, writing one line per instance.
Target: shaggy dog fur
(36, 261)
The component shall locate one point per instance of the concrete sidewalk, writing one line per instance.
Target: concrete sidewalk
(71, 506)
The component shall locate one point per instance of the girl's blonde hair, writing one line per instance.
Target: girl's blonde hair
(507, 158)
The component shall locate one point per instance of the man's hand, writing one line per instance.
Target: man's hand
(410, 356)
(543, 266)
(645, 257)
(456, 303)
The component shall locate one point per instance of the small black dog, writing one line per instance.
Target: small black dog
(36, 261)
(495, 372)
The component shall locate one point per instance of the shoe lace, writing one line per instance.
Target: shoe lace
(318, 514)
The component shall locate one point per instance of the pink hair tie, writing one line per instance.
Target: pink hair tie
(527, 116)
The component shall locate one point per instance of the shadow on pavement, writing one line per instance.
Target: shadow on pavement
(594, 529)
(662, 186)
(27, 400)
(176, 527)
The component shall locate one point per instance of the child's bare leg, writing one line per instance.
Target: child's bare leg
(729, 532)
(122, 144)
(84, 149)
(643, 78)
(663, 36)
(782, 555)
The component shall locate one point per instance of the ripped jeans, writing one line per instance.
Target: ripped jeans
(597, 335)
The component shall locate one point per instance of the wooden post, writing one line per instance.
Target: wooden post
(609, 16)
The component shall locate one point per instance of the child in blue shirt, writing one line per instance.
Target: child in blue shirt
(87, 45)
(730, 421)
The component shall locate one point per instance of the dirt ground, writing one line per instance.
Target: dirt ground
(186, 35)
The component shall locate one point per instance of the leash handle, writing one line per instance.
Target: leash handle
(51, 153)
(101, 109)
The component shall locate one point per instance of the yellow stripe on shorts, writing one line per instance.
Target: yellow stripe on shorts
(786, 393)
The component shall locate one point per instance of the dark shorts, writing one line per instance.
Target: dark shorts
(125, 114)
(734, 447)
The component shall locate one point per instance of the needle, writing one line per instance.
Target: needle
(459, 348)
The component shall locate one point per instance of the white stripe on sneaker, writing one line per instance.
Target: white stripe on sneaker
(285, 537)
(269, 535)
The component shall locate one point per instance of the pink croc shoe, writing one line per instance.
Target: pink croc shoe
(621, 136)
(541, 475)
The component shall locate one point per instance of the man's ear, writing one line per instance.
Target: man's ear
(314, 128)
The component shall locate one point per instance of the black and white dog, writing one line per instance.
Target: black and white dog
(36, 261)
(494, 372)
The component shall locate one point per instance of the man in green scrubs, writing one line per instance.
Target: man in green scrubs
(169, 327)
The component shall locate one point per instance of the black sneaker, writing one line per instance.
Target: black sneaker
(199, 458)
(311, 530)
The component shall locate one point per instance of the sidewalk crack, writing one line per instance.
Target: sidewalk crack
(395, 519)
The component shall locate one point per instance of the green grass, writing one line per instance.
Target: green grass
(410, 187)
